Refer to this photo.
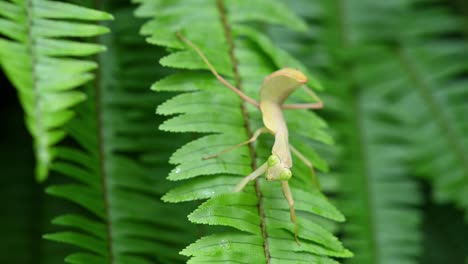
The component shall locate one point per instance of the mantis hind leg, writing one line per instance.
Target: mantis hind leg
(308, 164)
(255, 136)
(288, 195)
(216, 74)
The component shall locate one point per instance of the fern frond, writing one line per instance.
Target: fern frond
(422, 72)
(115, 170)
(208, 107)
(433, 86)
(36, 49)
(374, 189)
(377, 195)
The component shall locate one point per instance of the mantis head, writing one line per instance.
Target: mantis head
(276, 170)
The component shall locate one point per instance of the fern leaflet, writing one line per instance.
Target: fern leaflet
(41, 56)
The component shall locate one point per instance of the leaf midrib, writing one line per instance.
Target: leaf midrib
(358, 123)
(37, 95)
(238, 83)
(99, 86)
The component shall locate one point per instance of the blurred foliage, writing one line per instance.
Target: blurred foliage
(396, 92)
(27, 210)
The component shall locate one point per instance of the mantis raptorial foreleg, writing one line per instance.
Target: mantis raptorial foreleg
(308, 163)
(255, 136)
(252, 176)
(286, 192)
(288, 195)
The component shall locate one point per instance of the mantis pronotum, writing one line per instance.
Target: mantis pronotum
(275, 89)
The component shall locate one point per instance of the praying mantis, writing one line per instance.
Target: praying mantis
(275, 89)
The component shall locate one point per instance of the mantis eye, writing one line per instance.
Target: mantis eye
(273, 160)
(285, 175)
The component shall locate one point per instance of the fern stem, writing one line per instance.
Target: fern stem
(99, 86)
(435, 107)
(102, 158)
(365, 175)
(354, 94)
(232, 55)
(343, 29)
(38, 137)
(238, 83)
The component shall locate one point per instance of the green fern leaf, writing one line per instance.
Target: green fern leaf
(426, 80)
(381, 223)
(374, 189)
(260, 212)
(113, 160)
(429, 67)
(34, 55)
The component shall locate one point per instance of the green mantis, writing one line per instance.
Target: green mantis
(275, 90)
